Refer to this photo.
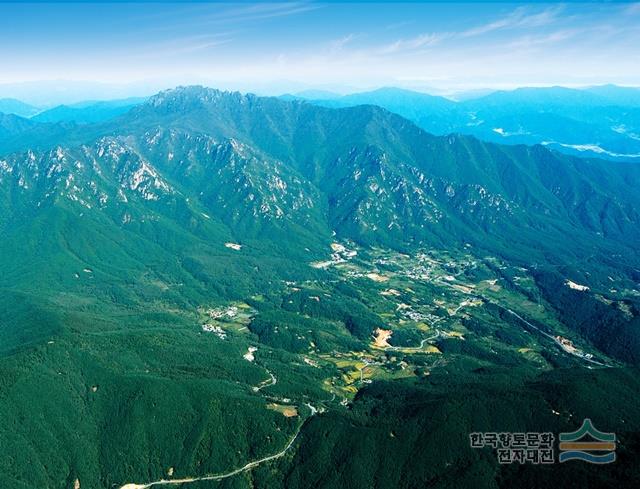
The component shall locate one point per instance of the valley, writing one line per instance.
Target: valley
(224, 290)
(461, 286)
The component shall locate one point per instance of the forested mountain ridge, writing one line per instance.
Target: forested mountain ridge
(363, 172)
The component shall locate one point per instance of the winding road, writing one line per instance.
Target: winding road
(414, 348)
(217, 477)
(267, 383)
(251, 465)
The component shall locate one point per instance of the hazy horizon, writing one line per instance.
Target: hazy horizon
(50, 93)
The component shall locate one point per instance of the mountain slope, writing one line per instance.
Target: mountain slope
(16, 107)
(11, 125)
(20, 134)
(364, 173)
(477, 188)
(88, 112)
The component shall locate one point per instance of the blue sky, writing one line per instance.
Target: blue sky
(272, 48)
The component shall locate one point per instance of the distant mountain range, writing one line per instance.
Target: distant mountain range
(290, 168)
(87, 112)
(82, 112)
(601, 121)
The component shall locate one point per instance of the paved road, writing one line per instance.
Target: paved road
(555, 340)
(414, 348)
(267, 383)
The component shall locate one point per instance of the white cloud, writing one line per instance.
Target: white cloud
(420, 41)
(181, 46)
(531, 41)
(217, 14)
(338, 44)
(259, 12)
(519, 18)
(633, 9)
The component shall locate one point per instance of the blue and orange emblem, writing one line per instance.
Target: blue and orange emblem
(597, 448)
